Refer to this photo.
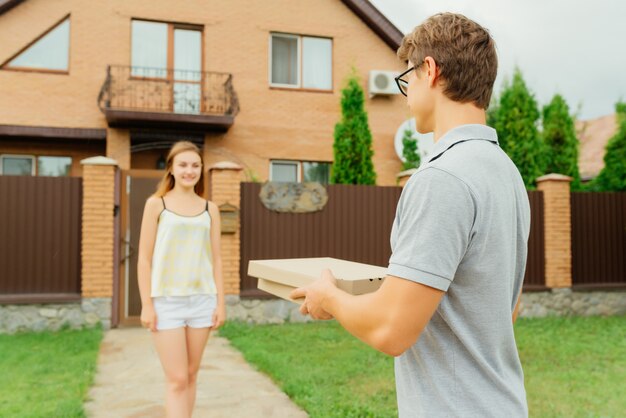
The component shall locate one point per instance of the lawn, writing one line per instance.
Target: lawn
(47, 374)
(574, 367)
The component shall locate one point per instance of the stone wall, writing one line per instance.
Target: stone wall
(557, 302)
(41, 317)
(91, 311)
(566, 302)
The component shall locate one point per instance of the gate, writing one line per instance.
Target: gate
(135, 188)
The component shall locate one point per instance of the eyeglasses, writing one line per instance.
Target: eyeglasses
(403, 85)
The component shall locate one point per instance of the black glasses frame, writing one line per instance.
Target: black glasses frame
(403, 85)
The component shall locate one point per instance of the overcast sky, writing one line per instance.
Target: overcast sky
(575, 48)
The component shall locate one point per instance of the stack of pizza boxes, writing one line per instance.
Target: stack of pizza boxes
(280, 277)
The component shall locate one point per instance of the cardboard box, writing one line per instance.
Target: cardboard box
(280, 277)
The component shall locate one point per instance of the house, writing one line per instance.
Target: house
(594, 135)
(255, 83)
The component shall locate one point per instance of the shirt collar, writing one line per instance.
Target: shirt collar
(460, 134)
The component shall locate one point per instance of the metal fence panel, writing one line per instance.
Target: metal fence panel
(40, 235)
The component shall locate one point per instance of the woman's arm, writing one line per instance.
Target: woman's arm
(216, 249)
(151, 213)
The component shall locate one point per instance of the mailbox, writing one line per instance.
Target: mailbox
(230, 218)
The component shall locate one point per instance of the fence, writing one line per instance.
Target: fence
(40, 238)
(598, 240)
(355, 225)
(535, 278)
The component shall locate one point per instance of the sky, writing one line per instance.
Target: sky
(574, 48)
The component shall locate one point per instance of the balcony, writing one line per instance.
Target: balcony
(163, 98)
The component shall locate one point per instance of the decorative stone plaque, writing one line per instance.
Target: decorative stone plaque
(293, 197)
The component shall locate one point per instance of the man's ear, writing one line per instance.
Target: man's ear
(432, 72)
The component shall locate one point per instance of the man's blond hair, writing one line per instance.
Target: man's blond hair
(464, 52)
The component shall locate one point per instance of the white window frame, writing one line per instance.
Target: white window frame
(298, 61)
(31, 157)
(298, 165)
(298, 86)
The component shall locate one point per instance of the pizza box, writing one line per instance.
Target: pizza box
(279, 277)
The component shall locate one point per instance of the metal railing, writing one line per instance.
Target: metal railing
(166, 90)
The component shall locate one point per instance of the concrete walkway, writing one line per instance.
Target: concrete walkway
(130, 383)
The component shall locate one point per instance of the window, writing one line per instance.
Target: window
(285, 171)
(319, 172)
(296, 171)
(49, 52)
(300, 62)
(170, 52)
(54, 166)
(17, 165)
(149, 49)
(28, 165)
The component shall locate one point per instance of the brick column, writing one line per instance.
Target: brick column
(557, 229)
(224, 187)
(118, 147)
(403, 176)
(97, 228)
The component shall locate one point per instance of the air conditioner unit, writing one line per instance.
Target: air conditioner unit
(382, 83)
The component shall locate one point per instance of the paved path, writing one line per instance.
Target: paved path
(129, 382)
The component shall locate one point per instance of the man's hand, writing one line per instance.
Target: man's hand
(315, 294)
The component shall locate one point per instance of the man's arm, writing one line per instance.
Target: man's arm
(389, 320)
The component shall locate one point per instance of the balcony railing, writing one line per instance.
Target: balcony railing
(143, 96)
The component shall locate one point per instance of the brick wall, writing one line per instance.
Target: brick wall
(272, 124)
(97, 240)
(224, 187)
(118, 147)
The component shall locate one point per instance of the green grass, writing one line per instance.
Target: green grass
(574, 367)
(47, 374)
(321, 367)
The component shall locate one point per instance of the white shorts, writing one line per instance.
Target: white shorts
(195, 311)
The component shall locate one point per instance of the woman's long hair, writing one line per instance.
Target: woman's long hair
(167, 182)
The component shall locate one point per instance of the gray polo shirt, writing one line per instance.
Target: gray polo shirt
(462, 226)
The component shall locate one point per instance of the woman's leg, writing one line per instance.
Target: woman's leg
(172, 348)
(196, 341)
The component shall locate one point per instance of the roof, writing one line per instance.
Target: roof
(376, 21)
(6, 5)
(594, 134)
(362, 8)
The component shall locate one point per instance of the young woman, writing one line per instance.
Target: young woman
(180, 274)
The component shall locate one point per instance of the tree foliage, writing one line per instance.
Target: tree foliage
(410, 151)
(515, 118)
(613, 175)
(353, 140)
(559, 135)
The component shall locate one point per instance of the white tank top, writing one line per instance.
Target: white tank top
(182, 256)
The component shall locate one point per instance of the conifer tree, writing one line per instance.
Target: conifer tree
(612, 178)
(410, 151)
(515, 119)
(353, 140)
(559, 135)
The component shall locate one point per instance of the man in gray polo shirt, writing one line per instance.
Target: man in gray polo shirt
(459, 243)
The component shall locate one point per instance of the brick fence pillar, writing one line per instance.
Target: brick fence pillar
(557, 229)
(404, 176)
(97, 237)
(224, 187)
